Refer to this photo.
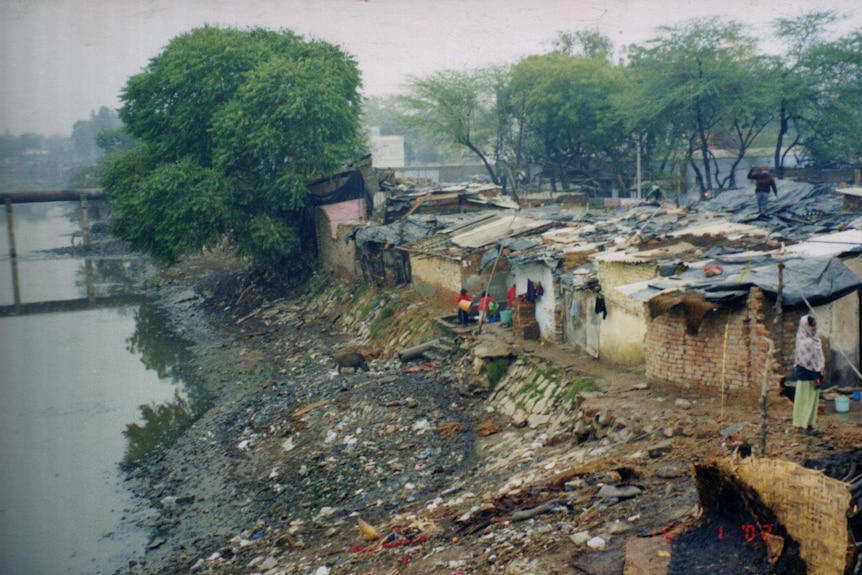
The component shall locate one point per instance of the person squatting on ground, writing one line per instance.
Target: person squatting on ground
(763, 183)
(463, 314)
(487, 306)
(810, 364)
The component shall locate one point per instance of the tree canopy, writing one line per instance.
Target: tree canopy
(456, 108)
(704, 80)
(568, 118)
(229, 125)
(696, 89)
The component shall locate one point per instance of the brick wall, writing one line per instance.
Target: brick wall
(730, 346)
(524, 321)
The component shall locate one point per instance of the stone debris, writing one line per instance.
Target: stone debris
(479, 455)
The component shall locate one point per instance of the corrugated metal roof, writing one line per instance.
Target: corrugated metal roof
(495, 229)
(836, 244)
(569, 235)
(850, 191)
(724, 228)
(646, 256)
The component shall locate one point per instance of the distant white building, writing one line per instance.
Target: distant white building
(388, 151)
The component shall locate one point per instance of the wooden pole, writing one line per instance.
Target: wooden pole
(416, 351)
(494, 269)
(31, 197)
(91, 286)
(774, 345)
(85, 222)
(10, 224)
(13, 252)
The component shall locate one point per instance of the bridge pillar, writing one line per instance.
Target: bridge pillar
(13, 252)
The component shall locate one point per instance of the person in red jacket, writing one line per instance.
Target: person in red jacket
(463, 314)
(487, 306)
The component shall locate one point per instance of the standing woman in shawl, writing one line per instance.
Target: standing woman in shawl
(809, 373)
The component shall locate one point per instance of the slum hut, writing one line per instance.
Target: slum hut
(403, 200)
(339, 204)
(852, 198)
(623, 321)
(622, 326)
(712, 324)
(533, 272)
(536, 271)
(451, 259)
(380, 260)
(843, 323)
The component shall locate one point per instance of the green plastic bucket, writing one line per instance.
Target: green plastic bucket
(506, 316)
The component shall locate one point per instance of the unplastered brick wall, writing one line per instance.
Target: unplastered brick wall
(730, 347)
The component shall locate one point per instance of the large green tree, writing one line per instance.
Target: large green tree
(587, 43)
(568, 121)
(458, 108)
(229, 125)
(701, 84)
(820, 87)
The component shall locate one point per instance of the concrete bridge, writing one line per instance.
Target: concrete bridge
(32, 197)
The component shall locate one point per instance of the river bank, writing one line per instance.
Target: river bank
(277, 475)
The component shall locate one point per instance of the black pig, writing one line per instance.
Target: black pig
(350, 359)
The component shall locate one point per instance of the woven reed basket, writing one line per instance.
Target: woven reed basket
(811, 506)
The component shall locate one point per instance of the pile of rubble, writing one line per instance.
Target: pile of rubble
(460, 451)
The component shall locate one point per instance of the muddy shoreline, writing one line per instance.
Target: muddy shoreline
(222, 480)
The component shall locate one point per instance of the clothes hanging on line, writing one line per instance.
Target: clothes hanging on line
(601, 307)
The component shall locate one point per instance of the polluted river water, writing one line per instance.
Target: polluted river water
(75, 383)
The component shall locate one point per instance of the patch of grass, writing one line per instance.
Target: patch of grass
(496, 370)
(549, 372)
(359, 290)
(380, 327)
(318, 282)
(580, 385)
(530, 388)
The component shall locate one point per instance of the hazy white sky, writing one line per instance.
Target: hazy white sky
(60, 60)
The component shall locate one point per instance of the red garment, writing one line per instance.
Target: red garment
(483, 302)
(511, 295)
(462, 298)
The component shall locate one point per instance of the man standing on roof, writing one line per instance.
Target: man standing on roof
(763, 183)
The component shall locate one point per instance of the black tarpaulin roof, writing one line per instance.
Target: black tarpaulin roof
(815, 280)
